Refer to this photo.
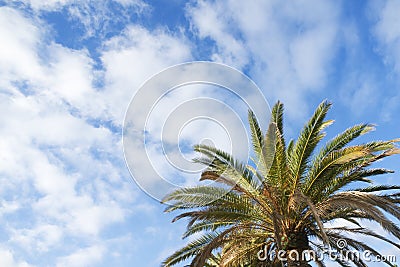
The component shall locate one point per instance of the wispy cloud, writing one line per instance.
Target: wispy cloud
(287, 48)
(385, 29)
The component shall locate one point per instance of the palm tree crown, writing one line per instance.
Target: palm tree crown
(283, 201)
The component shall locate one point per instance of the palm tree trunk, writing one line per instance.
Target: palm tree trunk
(295, 259)
(298, 242)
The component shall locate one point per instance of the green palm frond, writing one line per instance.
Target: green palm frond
(306, 143)
(342, 139)
(200, 196)
(379, 187)
(189, 250)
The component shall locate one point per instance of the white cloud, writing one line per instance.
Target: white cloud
(83, 257)
(99, 17)
(18, 59)
(47, 4)
(132, 58)
(40, 238)
(71, 73)
(310, 52)
(387, 28)
(212, 20)
(290, 46)
(359, 92)
(60, 171)
(8, 207)
(89, 18)
(138, 3)
(7, 259)
(54, 5)
(386, 31)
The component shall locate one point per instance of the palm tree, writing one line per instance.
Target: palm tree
(279, 205)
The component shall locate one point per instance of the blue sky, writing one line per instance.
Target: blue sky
(68, 70)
